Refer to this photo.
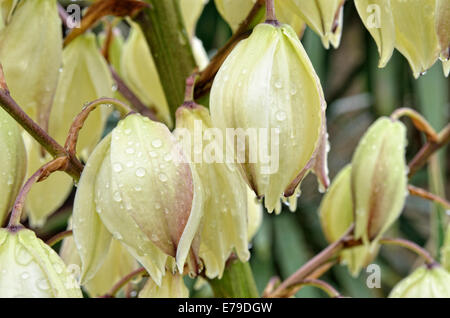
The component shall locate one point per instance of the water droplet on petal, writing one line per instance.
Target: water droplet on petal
(140, 172)
(157, 143)
(117, 167)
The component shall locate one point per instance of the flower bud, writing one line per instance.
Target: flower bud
(47, 196)
(84, 77)
(379, 178)
(31, 57)
(325, 17)
(118, 263)
(191, 11)
(14, 164)
(136, 187)
(379, 21)
(223, 227)
(139, 72)
(336, 217)
(267, 87)
(30, 268)
(172, 286)
(424, 283)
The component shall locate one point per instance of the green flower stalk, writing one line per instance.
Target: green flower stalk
(31, 269)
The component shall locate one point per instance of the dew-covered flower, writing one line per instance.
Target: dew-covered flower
(31, 269)
(137, 188)
(267, 87)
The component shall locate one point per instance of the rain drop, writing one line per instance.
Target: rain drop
(157, 143)
(140, 172)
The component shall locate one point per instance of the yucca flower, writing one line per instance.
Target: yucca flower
(137, 188)
(30, 57)
(411, 26)
(325, 17)
(336, 217)
(379, 178)
(424, 283)
(268, 82)
(31, 269)
(224, 216)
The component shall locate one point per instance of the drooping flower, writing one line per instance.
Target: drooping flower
(224, 217)
(378, 19)
(379, 178)
(31, 269)
(336, 217)
(30, 57)
(137, 188)
(267, 87)
(414, 27)
(325, 17)
(14, 163)
(424, 283)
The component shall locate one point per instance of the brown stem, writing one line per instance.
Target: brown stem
(412, 247)
(125, 280)
(271, 17)
(314, 263)
(206, 78)
(135, 102)
(330, 290)
(58, 237)
(428, 149)
(418, 120)
(72, 138)
(58, 164)
(422, 193)
(190, 87)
